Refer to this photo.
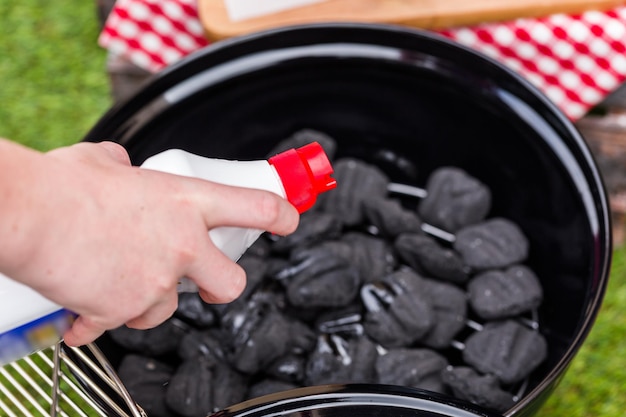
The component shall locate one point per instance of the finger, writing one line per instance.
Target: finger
(103, 152)
(82, 332)
(157, 314)
(117, 152)
(249, 208)
(219, 279)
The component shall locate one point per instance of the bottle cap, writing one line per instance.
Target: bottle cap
(305, 173)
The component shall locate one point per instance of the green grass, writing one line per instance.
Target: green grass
(53, 83)
(594, 384)
(54, 87)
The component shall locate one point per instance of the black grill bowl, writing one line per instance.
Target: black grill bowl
(386, 93)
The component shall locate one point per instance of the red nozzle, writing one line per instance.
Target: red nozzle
(305, 173)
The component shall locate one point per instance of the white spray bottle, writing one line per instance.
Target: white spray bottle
(29, 321)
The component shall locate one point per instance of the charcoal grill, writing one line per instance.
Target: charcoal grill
(387, 92)
(54, 382)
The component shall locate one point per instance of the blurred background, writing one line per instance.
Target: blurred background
(56, 82)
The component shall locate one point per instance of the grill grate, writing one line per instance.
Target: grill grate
(64, 382)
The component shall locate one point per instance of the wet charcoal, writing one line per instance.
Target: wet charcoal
(483, 390)
(407, 298)
(309, 262)
(288, 368)
(418, 368)
(494, 243)
(454, 200)
(304, 137)
(500, 294)
(255, 336)
(324, 281)
(257, 287)
(204, 344)
(159, 340)
(255, 268)
(229, 387)
(269, 386)
(314, 227)
(194, 311)
(390, 218)
(258, 335)
(398, 311)
(372, 256)
(424, 253)
(506, 349)
(338, 360)
(302, 337)
(146, 380)
(357, 182)
(346, 322)
(449, 304)
(200, 387)
(189, 390)
(337, 248)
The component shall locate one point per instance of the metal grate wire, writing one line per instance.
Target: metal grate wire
(62, 381)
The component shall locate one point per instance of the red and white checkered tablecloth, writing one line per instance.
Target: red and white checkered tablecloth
(153, 33)
(576, 60)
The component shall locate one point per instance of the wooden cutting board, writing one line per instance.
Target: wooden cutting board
(426, 14)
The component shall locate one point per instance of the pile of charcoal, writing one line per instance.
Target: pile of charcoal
(382, 283)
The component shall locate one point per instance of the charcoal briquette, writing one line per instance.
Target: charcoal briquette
(507, 349)
(499, 294)
(327, 281)
(289, 368)
(338, 248)
(269, 386)
(338, 360)
(398, 312)
(156, 341)
(423, 253)
(449, 305)
(200, 387)
(255, 269)
(372, 256)
(189, 390)
(259, 334)
(193, 310)
(347, 321)
(390, 217)
(314, 226)
(418, 368)
(454, 199)
(357, 182)
(202, 344)
(301, 337)
(229, 387)
(494, 243)
(483, 390)
(146, 380)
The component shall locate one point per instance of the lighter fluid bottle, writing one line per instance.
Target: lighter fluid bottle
(29, 321)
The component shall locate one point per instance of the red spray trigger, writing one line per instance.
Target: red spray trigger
(305, 173)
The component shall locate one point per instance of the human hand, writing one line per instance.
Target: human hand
(110, 242)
